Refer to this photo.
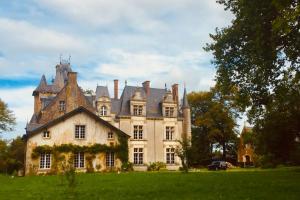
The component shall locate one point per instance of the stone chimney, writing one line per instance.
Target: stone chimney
(175, 92)
(116, 88)
(72, 78)
(146, 86)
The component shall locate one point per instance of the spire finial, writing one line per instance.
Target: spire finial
(60, 57)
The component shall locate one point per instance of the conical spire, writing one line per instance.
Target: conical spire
(185, 103)
(42, 84)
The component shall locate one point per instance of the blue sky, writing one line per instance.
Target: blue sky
(134, 40)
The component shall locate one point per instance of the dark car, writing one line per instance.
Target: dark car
(216, 165)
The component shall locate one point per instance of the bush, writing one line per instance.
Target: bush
(156, 166)
(127, 167)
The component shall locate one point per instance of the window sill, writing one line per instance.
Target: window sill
(138, 140)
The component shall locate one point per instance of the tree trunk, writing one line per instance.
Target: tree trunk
(224, 150)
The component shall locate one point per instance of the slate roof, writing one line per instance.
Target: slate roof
(185, 103)
(43, 87)
(153, 101)
(102, 91)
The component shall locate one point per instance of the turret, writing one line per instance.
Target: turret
(36, 93)
(186, 111)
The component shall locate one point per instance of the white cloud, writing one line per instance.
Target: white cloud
(160, 69)
(20, 36)
(20, 101)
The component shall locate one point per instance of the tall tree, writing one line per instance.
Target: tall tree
(213, 120)
(259, 54)
(7, 119)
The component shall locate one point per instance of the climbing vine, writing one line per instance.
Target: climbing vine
(121, 149)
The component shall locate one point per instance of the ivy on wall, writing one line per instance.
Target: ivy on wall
(121, 149)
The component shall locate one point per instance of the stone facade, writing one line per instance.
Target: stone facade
(246, 155)
(153, 119)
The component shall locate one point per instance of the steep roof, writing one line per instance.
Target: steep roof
(68, 115)
(102, 91)
(153, 100)
(185, 103)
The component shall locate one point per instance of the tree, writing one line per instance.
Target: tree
(215, 121)
(12, 155)
(7, 119)
(259, 56)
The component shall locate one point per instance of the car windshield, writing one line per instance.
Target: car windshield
(215, 163)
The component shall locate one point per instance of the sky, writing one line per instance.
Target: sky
(133, 40)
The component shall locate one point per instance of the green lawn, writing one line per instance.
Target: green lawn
(232, 184)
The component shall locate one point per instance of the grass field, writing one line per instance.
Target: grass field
(233, 184)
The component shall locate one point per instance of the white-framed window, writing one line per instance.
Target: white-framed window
(137, 110)
(79, 160)
(137, 132)
(138, 156)
(46, 134)
(170, 132)
(103, 111)
(62, 105)
(169, 111)
(170, 155)
(110, 159)
(80, 131)
(45, 161)
(110, 135)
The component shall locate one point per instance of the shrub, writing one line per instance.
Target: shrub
(156, 166)
(127, 167)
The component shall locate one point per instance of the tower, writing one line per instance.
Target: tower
(186, 111)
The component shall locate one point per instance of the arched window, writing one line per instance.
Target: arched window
(103, 111)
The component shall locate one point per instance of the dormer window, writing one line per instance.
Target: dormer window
(46, 134)
(138, 110)
(62, 105)
(169, 111)
(103, 111)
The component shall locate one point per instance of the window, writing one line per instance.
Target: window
(46, 134)
(62, 106)
(80, 131)
(45, 161)
(110, 135)
(103, 111)
(169, 132)
(110, 159)
(169, 111)
(138, 156)
(79, 160)
(170, 155)
(137, 132)
(137, 110)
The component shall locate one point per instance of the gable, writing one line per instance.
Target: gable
(62, 119)
(73, 97)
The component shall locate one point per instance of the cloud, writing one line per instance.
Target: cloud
(20, 102)
(20, 36)
(160, 69)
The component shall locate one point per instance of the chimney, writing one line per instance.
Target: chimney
(72, 78)
(116, 88)
(146, 86)
(175, 92)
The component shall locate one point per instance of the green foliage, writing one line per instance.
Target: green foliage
(259, 55)
(127, 167)
(7, 119)
(156, 166)
(12, 155)
(183, 151)
(213, 119)
(122, 148)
